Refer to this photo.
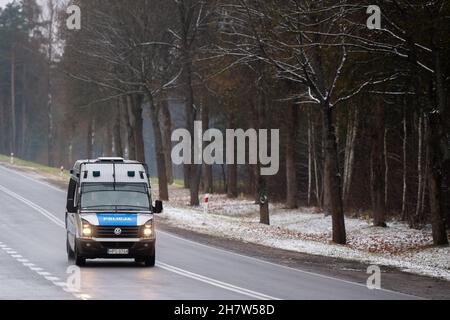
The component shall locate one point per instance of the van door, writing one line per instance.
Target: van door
(71, 211)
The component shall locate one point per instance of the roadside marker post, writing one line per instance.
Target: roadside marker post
(205, 204)
(61, 173)
(12, 158)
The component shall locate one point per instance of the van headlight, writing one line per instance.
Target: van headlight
(148, 229)
(86, 229)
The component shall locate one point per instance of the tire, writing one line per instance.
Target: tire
(70, 253)
(149, 261)
(79, 260)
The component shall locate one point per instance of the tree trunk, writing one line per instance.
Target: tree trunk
(159, 152)
(3, 134)
(405, 162)
(232, 191)
(108, 144)
(23, 119)
(196, 175)
(264, 201)
(118, 147)
(438, 216)
(208, 169)
(435, 143)
(138, 128)
(310, 159)
(232, 169)
(318, 187)
(420, 173)
(426, 169)
(352, 129)
(326, 205)
(186, 175)
(224, 178)
(386, 169)
(70, 151)
(166, 126)
(190, 118)
(291, 172)
(90, 139)
(130, 132)
(332, 181)
(377, 175)
(255, 169)
(13, 143)
(195, 170)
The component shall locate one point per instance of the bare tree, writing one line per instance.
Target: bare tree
(130, 52)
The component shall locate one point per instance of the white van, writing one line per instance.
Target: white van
(110, 211)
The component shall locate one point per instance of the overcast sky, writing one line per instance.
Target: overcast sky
(4, 2)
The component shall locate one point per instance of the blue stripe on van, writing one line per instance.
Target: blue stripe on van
(117, 219)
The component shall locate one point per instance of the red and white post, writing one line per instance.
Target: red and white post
(205, 204)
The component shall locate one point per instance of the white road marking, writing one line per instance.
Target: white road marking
(216, 283)
(47, 275)
(52, 279)
(39, 209)
(60, 284)
(36, 269)
(29, 265)
(31, 179)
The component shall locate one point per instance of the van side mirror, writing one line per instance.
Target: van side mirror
(158, 208)
(71, 208)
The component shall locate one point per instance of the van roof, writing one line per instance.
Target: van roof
(110, 170)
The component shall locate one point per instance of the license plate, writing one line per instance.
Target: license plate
(118, 251)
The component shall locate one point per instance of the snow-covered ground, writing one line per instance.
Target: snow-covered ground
(307, 231)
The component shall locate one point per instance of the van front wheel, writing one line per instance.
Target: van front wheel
(70, 253)
(79, 260)
(150, 261)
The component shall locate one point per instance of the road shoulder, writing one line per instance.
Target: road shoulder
(354, 271)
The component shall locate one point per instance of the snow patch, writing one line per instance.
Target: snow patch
(306, 231)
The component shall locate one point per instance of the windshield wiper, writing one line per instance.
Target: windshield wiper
(131, 206)
(99, 207)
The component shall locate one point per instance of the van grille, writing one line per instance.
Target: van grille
(118, 245)
(108, 232)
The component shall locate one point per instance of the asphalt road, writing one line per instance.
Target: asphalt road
(33, 262)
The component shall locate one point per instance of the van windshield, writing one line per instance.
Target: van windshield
(110, 196)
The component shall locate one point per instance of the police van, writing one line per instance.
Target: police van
(110, 212)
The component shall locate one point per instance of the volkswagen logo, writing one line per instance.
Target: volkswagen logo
(117, 231)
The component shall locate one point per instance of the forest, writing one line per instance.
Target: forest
(363, 113)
